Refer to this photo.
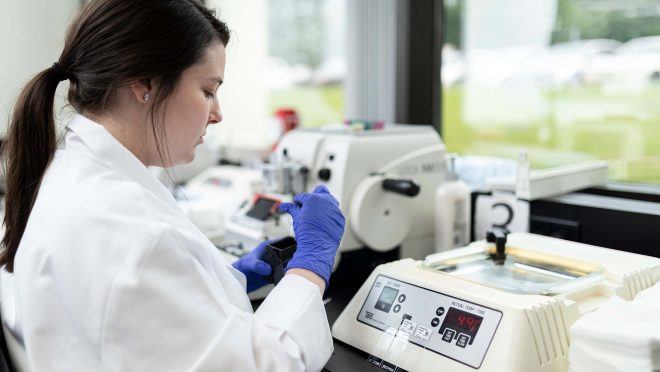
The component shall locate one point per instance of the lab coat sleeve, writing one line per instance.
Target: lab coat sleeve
(167, 311)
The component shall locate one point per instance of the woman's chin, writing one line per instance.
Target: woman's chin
(188, 159)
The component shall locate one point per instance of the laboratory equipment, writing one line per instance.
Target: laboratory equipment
(480, 307)
(385, 180)
(606, 216)
(509, 204)
(228, 204)
(543, 183)
(257, 219)
(452, 211)
(285, 177)
(213, 196)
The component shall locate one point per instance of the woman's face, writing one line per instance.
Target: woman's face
(194, 105)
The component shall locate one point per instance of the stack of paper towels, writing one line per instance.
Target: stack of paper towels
(619, 336)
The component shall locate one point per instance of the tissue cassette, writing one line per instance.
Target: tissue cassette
(461, 310)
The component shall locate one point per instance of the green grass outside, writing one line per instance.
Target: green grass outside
(316, 105)
(582, 123)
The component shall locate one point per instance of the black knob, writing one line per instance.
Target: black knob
(498, 236)
(403, 187)
(324, 174)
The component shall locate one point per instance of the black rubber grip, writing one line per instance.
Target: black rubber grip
(403, 187)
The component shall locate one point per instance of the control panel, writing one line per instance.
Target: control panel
(455, 328)
(254, 215)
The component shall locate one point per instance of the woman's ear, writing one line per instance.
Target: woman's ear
(141, 90)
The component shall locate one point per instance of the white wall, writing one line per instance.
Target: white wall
(32, 36)
(31, 39)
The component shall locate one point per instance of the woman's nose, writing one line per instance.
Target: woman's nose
(215, 116)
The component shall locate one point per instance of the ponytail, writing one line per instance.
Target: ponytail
(110, 42)
(29, 148)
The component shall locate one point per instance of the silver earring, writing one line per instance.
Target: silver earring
(146, 96)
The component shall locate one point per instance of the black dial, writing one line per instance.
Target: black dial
(324, 174)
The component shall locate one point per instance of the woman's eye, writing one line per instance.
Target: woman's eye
(208, 94)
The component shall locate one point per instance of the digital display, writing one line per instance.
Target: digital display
(262, 208)
(386, 299)
(220, 182)
(461, 322)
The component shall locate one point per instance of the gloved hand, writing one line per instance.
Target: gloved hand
(255, 269)
(319, 226)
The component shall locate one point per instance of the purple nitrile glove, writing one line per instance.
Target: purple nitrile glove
(255, 269)
(319, 226)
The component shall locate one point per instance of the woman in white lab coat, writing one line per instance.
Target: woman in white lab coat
(102, 269)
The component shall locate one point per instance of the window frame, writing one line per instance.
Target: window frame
(419, 90)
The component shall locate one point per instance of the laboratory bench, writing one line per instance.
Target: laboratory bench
(345, 358)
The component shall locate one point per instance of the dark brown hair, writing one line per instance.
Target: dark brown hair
(111, 43)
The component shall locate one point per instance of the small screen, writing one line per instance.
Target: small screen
(461, 322)
(220, 182)
(261, 209)
(386, 299)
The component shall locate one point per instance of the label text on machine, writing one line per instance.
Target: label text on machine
(413, 169)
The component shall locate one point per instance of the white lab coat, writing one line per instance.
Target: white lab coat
(111, 276)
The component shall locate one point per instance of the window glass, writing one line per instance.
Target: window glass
(306, 60)
(568, 80)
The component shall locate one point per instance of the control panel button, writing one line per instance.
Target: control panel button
(382, 306)
(435, 322)
(463, 340)
(387, 366)
(449, 335)
(423, 333)
(440, 311)
(402, 297)
(408, 327)
(397, 308)
(374, 361)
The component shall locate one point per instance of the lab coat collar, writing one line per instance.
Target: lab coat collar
(115, 156)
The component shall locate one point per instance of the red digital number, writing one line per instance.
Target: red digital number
(468, 322)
